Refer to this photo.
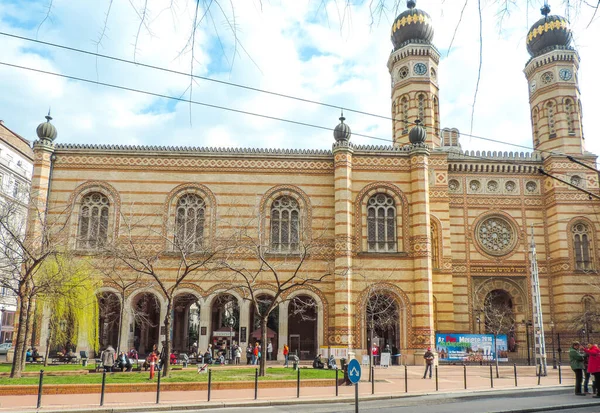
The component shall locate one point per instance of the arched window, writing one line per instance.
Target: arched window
(404, 106)
(285, 224)
(569, 114)
(534, 119)
(436, 119)
(93, 221)
(435, 247)
(551, 124)
(189, 223)
(421, 99)
(381, 223)
(582, 246)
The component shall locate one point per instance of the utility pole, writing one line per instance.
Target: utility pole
(538, 319)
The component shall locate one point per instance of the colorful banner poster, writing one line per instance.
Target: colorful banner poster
(470, 347)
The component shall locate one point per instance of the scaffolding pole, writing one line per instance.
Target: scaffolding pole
(538, 318)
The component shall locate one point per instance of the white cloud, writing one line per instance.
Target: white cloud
(294, 48)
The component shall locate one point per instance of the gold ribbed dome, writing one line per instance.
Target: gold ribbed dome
(547, 33)
(412, 25)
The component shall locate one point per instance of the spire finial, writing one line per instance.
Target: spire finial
(48, 117)
(545, 9)
(342, 118)
(411, 4)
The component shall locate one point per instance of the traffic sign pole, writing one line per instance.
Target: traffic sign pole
(356, 397)
(354, 373)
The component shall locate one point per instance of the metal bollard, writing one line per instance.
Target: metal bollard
(103, 387)
(372, 380)
(256, 384)
(336, 382)
(209, 381)
(298, 385)
(559, 374)
(405, 379)
(39, 400)
(436, 379)
(491, 377)
(515, 367)
(158, 388)
(539, 374)
(465, 375)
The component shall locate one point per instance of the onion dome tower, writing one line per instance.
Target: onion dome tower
(418, 134)
(46, 131)
(342, 131)
(553, 90)
(413, 66)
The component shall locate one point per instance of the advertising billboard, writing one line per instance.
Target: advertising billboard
(470, 347)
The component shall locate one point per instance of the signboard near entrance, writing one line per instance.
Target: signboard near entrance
(242, 334)
(470, 347)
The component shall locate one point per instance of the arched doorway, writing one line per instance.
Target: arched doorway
(225, 322)
(186, 316)
(109, 320)
(498, 309)
(146, 321)
(264, 301)
(382, 318)
(302, 327)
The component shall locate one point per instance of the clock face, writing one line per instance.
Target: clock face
(565, 74)
(420, 69)
(532, 86)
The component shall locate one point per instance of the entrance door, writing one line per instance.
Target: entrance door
(295, 344)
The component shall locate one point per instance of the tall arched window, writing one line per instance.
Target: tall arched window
(551, 124)
(381, 223)
(404, 105)
(569, 114)
(436, 114)
(189, 223)
(93, 221)
(285, 224)
(421, 100)
(582, 246)
(534, 119)
(435, 247)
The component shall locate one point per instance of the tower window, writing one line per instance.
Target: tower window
(582, 246)
(534, 118)
(569, 113)
(421, 99)
(551, 123)
(404, 105)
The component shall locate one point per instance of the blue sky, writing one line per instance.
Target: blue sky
(286, 47)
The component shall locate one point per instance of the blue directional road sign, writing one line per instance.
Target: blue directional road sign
(354, 371)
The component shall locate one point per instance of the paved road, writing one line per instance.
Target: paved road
(436, 404)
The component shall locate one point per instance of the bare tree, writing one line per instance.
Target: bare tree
(23, 253)
(282, 265)
(167, 259)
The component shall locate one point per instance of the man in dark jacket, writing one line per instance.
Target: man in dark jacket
(428, 356)
(576, 361)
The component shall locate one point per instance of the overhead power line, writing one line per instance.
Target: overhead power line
(254, 89)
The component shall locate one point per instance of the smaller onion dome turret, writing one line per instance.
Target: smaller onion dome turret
(412, 25)
(46, 130)
(342, 132)
(547, 33)
(417, 134)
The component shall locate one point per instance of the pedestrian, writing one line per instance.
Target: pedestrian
(593, 365)
(249, 354)
(270, 351)
(428, 356)
(108, 358)
(586, 376)
(238, 355)
(286, 355)
(255, 353)
(576, 361)
(375, 353)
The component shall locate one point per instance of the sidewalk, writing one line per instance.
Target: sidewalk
(388, 383)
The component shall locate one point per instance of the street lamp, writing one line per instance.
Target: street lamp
(527, 324)
(2, 310)
(553, 352)
(231, 323)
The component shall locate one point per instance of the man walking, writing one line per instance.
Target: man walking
(576, 361)
(270, 351)
(286, 355)
(428, 356)
(108, 358)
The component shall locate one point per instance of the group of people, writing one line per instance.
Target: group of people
(585, 362)
(33, 355)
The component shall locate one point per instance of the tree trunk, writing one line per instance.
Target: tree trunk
(48, 342)
(263, 345)
(118, 346)
(17, 366)
(166, 366)
(370, 349)
(28, 331)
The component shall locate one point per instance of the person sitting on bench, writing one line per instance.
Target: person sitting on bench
(317, 363)
(331, 362)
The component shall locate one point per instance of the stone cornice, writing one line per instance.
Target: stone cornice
(551, 56)
(413, 49)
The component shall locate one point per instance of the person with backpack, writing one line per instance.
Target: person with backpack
(428, 356)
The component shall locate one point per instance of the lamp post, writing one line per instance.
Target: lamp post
(479, 324)
(527, 324)
(553, 352)
(231, 323)
(559, 349)
(2, 310)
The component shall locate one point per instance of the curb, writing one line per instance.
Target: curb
(461, 395)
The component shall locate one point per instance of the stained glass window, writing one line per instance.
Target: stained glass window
(381, 224)
(285, 224)
(189, 223)
(582, 246)
(93, 221)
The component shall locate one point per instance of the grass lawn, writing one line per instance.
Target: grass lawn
(5, 368)
(189, 375)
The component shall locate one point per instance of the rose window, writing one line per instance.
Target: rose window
(510, 186)
(576, 180)
(547, 77)
(474, 185)
(531, 186)
(403, 72)
(453, 185)
(492, 186)
(496, 236)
